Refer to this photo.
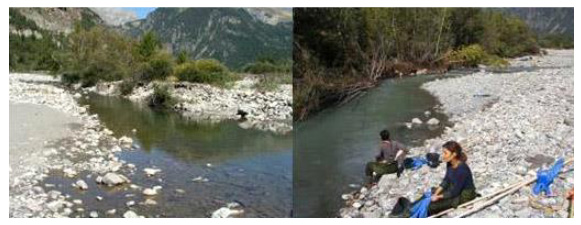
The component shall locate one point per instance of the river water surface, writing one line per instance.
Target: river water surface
(251, 167)
(332, 148)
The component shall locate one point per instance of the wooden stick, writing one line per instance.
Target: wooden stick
(490, 195)
(496, 198)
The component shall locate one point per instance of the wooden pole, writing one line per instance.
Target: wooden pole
(496, 198)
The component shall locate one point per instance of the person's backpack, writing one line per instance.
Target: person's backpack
(433, 159)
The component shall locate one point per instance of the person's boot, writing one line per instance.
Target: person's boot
(399, 171)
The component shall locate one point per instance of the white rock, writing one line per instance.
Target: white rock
(80, 184)
(151, 171)
(433, 122)
(150, 192)
(69, 172)
(131, 214)
(200, 179)
(226, 212)
(416, 121)
(112, 179)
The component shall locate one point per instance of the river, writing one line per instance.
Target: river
(332, 147)
(250, 167)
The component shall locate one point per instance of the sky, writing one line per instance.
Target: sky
(141, 12)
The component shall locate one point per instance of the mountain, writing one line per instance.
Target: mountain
(545, 21)
(56, 20)
(37, 34)
(235, 36)
(115, 16)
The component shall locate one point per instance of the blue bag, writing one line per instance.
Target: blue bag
(546, 177)
(420, 208)
(418, 162)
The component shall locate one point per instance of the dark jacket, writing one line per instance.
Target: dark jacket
(457, 180)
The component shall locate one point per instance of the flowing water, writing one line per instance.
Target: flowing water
(332, 148)
(251, 167)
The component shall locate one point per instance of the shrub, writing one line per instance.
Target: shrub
(97, 55)
(182, 57)
(126, 87)
(148, 45)
(203, 71)
(473, 55)
(70, 78)
(161, 97)
(266, 67)
(158, 67)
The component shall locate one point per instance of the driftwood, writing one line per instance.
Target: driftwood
(493, 197)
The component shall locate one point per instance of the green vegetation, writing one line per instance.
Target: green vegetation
(182, 57)
(339, 52)
(33, 54)
(204, 71)
(148, 46)
(157, 67)
(268, 65)
(18, 21)
(271, 72)
(97, 55)
(32, 51)
(472, 55)
(161, 97)
(558, 41)
(126, 86)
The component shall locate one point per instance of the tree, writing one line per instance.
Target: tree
(148, 45)
(182, 57)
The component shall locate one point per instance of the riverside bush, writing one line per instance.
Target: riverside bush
(203, 71)
(161, 97)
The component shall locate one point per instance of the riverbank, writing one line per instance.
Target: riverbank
(509, 124)
(264, 110)
(86, 147)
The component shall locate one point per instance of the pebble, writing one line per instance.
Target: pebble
(111, 211)
(416, 121)
(130, 203)
(151, 172)
(200, 179)
(433, 122)
(81, 184)
(131, 214)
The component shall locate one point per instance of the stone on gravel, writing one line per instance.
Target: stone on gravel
(433, 122)
(151, 172)
(131, 214)
(81, 184)
(416, 121)
(112, 179)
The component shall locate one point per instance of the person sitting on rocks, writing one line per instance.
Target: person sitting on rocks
(389, 160)
(458, 184)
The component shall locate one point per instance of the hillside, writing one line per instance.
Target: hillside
(234, 36)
